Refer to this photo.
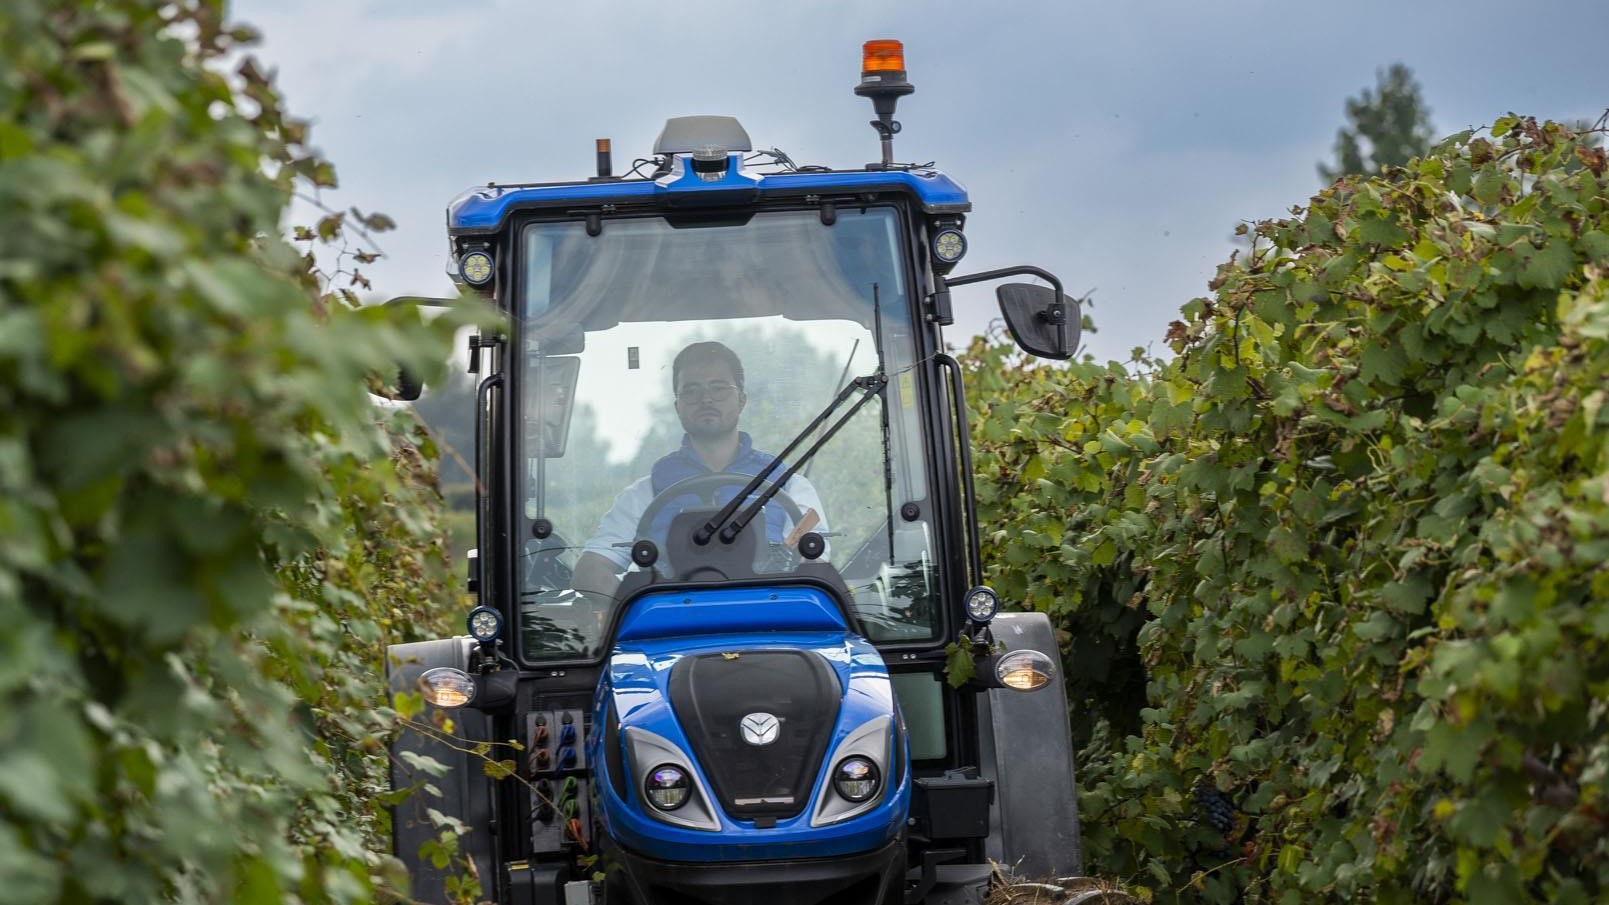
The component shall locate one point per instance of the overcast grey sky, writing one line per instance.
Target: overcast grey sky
(1114, 144)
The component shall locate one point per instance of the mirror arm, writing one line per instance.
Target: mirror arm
(1021, 270)
(1056, 314)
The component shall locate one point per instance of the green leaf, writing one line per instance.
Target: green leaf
(1489, 183)
(259, 884)
(146, 586)
(425, 764)
(408, 704)
(1369, 421)
(1461, 177)
(1383, 364)
(28, 876)
(959, 667)
(1381, 230)
(499, 769)
(29, 785)
(1287, 546)
(1320, 229)
(1408, 596)
(1496, 884)
(1104, 554)
(1548, 266)
(1595, 245)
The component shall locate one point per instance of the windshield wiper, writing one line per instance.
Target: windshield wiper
(869, 386)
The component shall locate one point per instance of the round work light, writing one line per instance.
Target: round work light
(857, 778)
(476, 267)
(485, 624)
(666, 787)
(949, 245)
(981, 604)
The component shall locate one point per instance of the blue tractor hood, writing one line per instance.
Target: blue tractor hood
(756, 695)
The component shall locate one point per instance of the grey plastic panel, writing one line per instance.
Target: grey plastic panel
(1026, 748)
(465, 791)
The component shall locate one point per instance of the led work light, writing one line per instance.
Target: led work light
(981, 604)
(476, 267)
(485, 624)
(949, 245)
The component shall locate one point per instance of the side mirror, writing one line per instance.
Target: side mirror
(409, 384)
(1041, 320)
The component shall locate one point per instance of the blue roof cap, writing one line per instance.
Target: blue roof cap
(483, 210)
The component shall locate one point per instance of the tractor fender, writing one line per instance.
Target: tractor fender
(465, 791)
(1025, 747)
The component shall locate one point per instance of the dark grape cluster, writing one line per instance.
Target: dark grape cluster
(1214, 807)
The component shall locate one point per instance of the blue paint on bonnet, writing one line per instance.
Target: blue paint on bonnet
(726, 611)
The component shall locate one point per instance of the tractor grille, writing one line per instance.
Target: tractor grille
(712, 694)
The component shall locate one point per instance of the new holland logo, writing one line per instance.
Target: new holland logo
(760, 728)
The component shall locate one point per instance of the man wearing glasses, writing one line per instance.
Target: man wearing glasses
(707, 378)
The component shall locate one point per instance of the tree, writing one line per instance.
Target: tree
(1390, 125)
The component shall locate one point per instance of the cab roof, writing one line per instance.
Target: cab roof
(484, 210)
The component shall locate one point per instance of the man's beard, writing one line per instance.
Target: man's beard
(708, 430)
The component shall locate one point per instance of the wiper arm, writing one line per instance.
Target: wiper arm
(869, 386)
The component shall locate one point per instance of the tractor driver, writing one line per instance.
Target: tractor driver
(707, 378)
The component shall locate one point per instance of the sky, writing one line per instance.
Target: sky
(1116, 144)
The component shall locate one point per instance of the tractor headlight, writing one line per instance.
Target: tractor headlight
(485, 624)
(664, 776)
(666, 787)
(1024, 670)
(982, 603)
(862, 759)
(857, 778)
(447, 686)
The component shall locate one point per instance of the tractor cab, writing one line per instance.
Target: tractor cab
(725, 541)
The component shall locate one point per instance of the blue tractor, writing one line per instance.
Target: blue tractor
(725, 538)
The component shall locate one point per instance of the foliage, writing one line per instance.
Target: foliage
(448, 409)
(1356, 535)
(207, 529)
(1389, 126)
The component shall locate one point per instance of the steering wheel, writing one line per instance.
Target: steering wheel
(545, 566)
(705, 489)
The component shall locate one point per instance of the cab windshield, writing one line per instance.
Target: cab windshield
(662, 363)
